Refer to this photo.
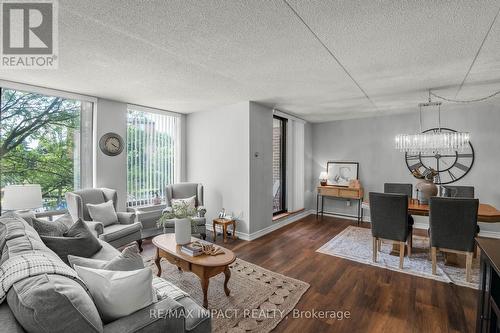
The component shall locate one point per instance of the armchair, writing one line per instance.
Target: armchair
(182, 191)
(124, 231)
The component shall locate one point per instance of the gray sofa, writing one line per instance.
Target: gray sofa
(118, 234)
(56, 303)
(183, 191)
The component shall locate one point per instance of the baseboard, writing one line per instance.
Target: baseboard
(274, 226)
(279, 224)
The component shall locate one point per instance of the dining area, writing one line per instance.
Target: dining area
(453, 222)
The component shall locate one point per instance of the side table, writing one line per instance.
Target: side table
(224, 223)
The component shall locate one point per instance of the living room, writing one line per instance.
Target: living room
(249, 166)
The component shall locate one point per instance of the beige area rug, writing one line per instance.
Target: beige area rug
(355, 244)
(259, 298)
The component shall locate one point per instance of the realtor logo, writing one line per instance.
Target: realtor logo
(29, 34)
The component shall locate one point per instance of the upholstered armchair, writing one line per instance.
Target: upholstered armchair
(183, 191)
(124, 231)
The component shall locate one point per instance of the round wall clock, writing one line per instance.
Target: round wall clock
(449, 166)
(111, 144)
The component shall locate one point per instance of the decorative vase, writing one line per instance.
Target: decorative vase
(426, 189)
(182, 231)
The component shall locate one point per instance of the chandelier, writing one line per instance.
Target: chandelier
(432, 142)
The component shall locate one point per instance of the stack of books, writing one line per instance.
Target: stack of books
(191, 250)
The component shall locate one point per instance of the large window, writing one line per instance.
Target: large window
(45, 140)
(152, 155)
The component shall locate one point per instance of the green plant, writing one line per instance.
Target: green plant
(180, 210)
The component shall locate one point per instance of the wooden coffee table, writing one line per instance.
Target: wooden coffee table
(203, 266)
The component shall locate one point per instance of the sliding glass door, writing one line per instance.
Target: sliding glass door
(279, 165)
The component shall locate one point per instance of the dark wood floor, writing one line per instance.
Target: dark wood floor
(379, 300)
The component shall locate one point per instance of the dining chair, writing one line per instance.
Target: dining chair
(458, 191)
(400, 188)
(453, 224)
(389, 219)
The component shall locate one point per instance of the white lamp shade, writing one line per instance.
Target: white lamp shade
(19, 197)
(323, 175)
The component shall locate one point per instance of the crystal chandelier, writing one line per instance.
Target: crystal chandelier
(432, 142)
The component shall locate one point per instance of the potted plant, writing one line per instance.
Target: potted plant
(181, 214)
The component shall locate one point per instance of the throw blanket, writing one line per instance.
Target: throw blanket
(165, 288)
(31, 264)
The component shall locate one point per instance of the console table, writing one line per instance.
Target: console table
(488, 307)
(339, 193)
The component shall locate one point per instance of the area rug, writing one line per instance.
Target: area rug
(259, 298)
(355, 244)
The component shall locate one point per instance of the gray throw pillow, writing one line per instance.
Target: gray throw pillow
(78, 241)
(104, 213)
(128, 260)
(53, 303)
(49, 228)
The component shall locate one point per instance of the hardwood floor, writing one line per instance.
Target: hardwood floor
(379, 300)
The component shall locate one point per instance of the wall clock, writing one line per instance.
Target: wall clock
(111, 144)
(450, 167)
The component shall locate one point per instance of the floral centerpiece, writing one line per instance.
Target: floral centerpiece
(181, 214)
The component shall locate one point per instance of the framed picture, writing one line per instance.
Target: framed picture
(340, 173)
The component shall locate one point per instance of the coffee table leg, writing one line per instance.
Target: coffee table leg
(227, 273)
(204, 287)
(157, 262)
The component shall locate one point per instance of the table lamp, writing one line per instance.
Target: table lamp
(22, 197)
(323, 176)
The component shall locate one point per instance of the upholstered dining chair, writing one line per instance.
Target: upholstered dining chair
(458, 191)
(453, 224)
(184, 191)
(400, 188)
(120, 233)
(389, 219)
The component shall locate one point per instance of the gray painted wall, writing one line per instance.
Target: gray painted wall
(370, 142)
(111, 171)
(261, 167)
(217, 155)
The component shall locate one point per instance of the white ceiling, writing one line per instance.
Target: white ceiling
(188, 56)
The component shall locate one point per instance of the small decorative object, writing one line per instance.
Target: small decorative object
(111, 144)
(341, 173)
(182, 215)
(323, 177)
(354, 183)
(222, 214)
(425, 186)
(156, 199)
(207, 248)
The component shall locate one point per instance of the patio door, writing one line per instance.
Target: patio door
(279, 165)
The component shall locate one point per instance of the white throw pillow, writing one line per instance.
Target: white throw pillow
(117, 294)
(104, 213)
(190, 202)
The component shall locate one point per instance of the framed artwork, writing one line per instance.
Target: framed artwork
(340, 173)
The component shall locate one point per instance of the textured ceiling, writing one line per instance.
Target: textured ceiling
(188, 56)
